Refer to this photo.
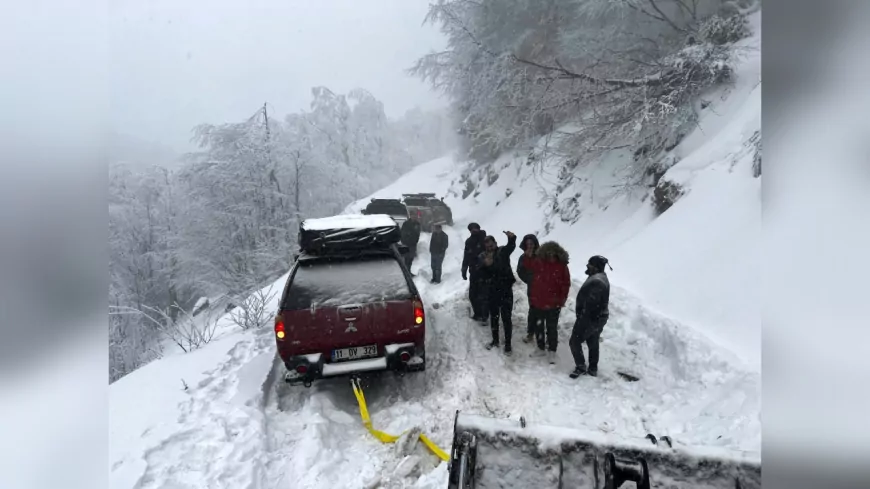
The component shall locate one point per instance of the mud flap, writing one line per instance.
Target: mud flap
(497, 453)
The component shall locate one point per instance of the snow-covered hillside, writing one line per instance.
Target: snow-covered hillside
(684, 319)
(695, 262)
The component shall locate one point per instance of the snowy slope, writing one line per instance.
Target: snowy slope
(683, 319)
(700, 259)
(694, 263)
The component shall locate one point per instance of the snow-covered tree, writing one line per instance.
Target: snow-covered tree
(622, 73)
(226, 221)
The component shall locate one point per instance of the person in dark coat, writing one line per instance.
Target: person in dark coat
(437, 250)
(592, 314)
(410, 237)
(498, 279)
(529, 245)
(473, 249)
(551, 282)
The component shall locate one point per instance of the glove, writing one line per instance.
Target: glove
(464, 277)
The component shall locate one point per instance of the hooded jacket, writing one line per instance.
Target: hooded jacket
(593, 300)
(551, 280)
(522, 270)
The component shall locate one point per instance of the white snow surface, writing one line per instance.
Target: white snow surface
(684, 319)
(349, 221)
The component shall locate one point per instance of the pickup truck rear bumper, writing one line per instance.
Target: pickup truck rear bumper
(402, 357)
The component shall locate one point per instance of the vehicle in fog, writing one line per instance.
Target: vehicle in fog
(391, 207)
(429, 209)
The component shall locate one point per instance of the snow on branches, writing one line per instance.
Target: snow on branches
(225, 222)
(619, 72)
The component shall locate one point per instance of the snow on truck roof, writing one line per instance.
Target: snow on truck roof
(349, 221)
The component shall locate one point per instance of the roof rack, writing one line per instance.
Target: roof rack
(347, 232)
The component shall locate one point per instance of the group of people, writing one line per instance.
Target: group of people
(544, 270)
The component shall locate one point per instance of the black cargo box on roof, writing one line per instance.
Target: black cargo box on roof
(347, 233)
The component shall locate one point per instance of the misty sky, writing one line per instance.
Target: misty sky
(178, 63)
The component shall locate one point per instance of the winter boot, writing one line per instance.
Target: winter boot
(538, 353)
(529, 338)
(507, 350)
(578, 371)
(490, 346)
(592, 372)
(551, 356)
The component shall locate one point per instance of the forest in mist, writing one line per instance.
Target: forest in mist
(223, 219)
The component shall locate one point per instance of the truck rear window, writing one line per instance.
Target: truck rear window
(390, 210)
(417, 202)
(337, 283)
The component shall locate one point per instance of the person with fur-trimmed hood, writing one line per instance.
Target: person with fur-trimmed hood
(593, 300)
(529, 245)
(551, 282)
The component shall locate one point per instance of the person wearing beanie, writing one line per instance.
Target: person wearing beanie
(592, 313)
(473, 249)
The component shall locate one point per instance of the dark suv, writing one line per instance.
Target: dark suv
(349, 305)
(428, 209)
(391, 207)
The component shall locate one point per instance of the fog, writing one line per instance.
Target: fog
(173, 65)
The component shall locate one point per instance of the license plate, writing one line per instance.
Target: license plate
(354, 353)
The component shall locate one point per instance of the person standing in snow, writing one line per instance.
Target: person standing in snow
(592, 314)
(473, 249)
(498, 276)
(437, 250)
(529, 245)
(551, 282)
(410, 237)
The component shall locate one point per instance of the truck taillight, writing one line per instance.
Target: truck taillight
(279, 327)
(419, 315)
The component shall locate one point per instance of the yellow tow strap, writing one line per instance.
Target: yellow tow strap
(386, 437)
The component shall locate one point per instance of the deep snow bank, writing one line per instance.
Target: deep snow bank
(696, 263)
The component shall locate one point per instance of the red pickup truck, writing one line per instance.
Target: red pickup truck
(349, 305)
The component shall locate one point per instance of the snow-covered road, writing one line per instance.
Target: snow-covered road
(238, 426)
